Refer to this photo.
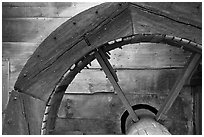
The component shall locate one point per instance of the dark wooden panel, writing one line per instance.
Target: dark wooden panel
(83, 126)
(50, 10)
(197, 104)
(34, 111)
(182, 111)
(29, 30)
(146, 22)
(5, 83)
(15, 121)
(188, 12)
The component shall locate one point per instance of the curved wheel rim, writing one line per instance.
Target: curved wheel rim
(57, 94)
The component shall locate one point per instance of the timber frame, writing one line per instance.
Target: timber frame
(71, 47)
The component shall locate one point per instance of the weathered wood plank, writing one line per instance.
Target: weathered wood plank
(85, 126)
(180, 81)
(50, 10)
(35, 4)
(5, 83)
(108, 106)
(16, 66)
(62, 46)
(15, 121)
(29, 30)
(132, 81)
(147, 22)
(142, 55)
(34, 111)
(146, 55)
(188, 12)
(18, 50)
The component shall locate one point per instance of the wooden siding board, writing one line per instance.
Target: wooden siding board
(133, 81)
(146, 55)
(29, 30)
(5, 83)
(35, 4)
(108, 106)
(85, 126)
(48, 10)
(18, 50)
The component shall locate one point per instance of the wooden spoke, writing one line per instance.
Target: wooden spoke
(192, 65)
(110, 73)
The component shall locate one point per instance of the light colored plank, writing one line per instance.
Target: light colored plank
(147, 55)
(34, 4)
(5, 83)
(50, 10)
(131, 81)
(18, 50)
(29, 30)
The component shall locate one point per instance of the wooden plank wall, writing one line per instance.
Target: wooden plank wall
(146, 73)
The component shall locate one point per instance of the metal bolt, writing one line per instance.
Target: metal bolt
(24, 75)
(15, 98)
(9, 121)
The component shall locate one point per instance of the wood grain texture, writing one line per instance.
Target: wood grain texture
(5, 83)
(26, 25)
(131, 81)
(108, 106)
(147, 22)
(188, 12)
(29, 30)
(144, 55)
(50, 56)
(34, 110)
(43, 9)
(15, 121)
(18, 50)
(83, 126)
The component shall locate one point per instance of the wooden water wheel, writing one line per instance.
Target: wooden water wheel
(90, 35)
